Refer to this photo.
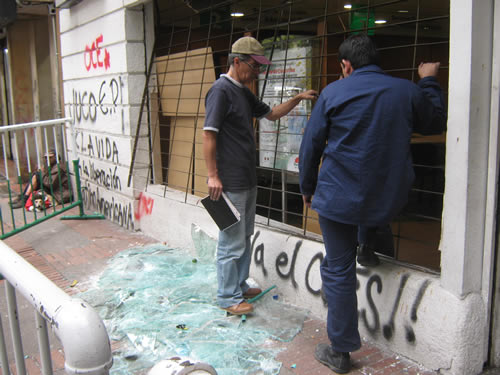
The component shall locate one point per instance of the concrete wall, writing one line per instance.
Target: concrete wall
(103, 66)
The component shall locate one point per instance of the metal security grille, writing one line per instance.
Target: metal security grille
(193, 39)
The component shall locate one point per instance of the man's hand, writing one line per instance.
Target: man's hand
(214, 188)
(428, 69)
(308, 95)
(283, 109)
(307, 200)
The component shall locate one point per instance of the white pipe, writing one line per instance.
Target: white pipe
(76, 324)
(29, 125)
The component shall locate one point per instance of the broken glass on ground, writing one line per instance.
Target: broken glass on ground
(160, 302)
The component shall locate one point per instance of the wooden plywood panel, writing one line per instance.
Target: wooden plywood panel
(312, 224)
(181, 139)
(181, 164)
(183, 81)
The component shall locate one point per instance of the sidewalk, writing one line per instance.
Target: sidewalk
(71, 252)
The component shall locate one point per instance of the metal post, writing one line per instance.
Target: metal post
(3, 352)
(14, 328)
(43, 344)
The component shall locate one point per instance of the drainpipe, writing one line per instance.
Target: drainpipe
(75, 323)
(10, 92)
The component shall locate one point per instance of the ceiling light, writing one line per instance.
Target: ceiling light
(380, 21)
(402, 11)
(237, 14)
(347, 6)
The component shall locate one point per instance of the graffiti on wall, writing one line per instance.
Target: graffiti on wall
(100, 178)
(105, 177)
(119, 212)
(97, 146)
(144, 206)
(99, 102)
(105, 100)
(95, 57)
(371, 316)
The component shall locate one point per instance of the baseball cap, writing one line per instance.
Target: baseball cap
(250, 46)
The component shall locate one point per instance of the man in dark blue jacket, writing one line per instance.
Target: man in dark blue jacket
(360, 129)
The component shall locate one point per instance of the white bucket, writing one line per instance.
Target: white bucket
(182, 366)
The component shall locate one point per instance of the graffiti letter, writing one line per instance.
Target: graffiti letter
(282, 260)
(389, 327)
(318, 256)
(102, 95)
(372, 329)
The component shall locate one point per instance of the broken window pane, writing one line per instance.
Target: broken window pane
(160, 302)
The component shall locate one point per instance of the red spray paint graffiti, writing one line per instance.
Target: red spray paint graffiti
(145, 206)
(93, 58)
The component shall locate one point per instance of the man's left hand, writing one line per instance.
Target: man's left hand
(429, 69)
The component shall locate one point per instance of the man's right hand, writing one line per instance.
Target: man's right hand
(307, 200)
(428, 69)
(214, 187)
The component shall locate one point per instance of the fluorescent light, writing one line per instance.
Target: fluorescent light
(347, 6)
(237, 14)
(402, 11)
(380, 21)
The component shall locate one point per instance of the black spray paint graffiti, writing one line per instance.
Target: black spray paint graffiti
(259, 253)
(107, 178)
(371, 323)
(115, 211)
(282, 261)
(410, 334)
(87, 105)
(102, 148)
(318, 257)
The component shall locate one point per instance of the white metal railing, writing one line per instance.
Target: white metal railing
(76, 324)
(53, 136)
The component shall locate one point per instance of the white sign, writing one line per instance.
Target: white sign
(279, 141)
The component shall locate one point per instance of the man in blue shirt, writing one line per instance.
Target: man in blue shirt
(360, 129)
(230, 154)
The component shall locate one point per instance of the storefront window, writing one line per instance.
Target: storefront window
(301, 38)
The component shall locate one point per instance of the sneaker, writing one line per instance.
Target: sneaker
(252, 292)
(339, 362)
(239, 309)
(367, 256)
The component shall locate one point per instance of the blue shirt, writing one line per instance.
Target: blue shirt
(230, 107)
(361, 128)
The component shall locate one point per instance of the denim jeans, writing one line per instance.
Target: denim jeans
(338, 274)
(234, 251)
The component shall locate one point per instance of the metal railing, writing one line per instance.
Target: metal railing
(39, 141)
(76, 324)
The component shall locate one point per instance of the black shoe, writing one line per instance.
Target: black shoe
(18, 202)
(337, 361)
(367, 257)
